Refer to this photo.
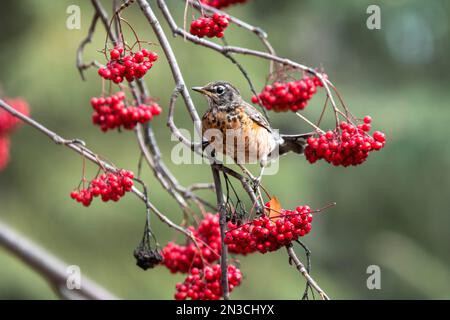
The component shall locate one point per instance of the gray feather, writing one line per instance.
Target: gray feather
(294, 143)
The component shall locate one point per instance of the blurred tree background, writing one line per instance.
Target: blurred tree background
(393, 211)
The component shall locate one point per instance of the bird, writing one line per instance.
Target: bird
(237, 129)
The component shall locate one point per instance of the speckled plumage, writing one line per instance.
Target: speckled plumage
(237, 129)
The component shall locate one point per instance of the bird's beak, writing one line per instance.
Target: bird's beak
(202, 91)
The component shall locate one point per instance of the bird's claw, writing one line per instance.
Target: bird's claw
(256, 183)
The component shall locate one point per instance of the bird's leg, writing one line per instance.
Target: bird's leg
(205, 144)
(246, 171)
(261, 173)
(255, 181)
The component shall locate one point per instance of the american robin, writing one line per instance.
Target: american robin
(235, 128)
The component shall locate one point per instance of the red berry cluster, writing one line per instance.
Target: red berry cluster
(109, 186)
(4, 152)
(205, 284)
(266, 234)
(130, 67)
(221, 3)
(348, 146)
(8, 123)
(111, 112)
(210, 27)
(285, 96)
(179, 258)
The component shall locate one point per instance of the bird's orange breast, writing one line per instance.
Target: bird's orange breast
(236, 134)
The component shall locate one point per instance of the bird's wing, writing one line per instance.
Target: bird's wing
(256, 116)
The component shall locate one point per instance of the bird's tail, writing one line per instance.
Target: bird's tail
(295, 143)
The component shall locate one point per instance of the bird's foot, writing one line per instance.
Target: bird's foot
(256, 182)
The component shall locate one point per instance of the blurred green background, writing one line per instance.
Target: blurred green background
(393, 211)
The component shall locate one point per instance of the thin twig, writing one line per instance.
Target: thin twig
(147, 143)
(197, 148)
(223, 223)
(179, 80)
(260, 33)
(78, 146)
(243, 51)
(104, 18)
(301, 268)
(81, 66)
(181, 89)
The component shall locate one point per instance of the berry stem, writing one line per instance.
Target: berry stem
(301, 268)
(310, 123)
(323, 111)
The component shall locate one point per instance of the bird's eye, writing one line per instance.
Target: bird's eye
(220, 90)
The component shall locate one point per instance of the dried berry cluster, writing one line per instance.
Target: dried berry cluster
(111, 112)
(108, 186)
(181, 258)
(285, 96)
(147, 258)
(205, 284)
(8, 123)
(127, 66)
(346, 145)
(264, 234)
(210, 27)
(221, 3)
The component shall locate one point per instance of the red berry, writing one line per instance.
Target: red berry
(221, 3)
(350, 146)
(284, 96)
(114, 54)
(110, 186)
(9, 123)
(111, 113)
(367, 119)
(181, 258)
(209, 26)
(205, 284)
(366, 127)
(130, 67)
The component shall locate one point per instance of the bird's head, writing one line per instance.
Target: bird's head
(220, 94)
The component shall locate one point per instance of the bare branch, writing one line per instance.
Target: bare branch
(145, 135)
(148, 145)
(78, 146)
(81, 66)
(224, 50)
(260, 33)
(301, 268)
(181, 86)
(197, 148)
(50, 267)
(104, 18)
(223, 224)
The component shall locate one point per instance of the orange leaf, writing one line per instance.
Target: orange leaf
(275, 209)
